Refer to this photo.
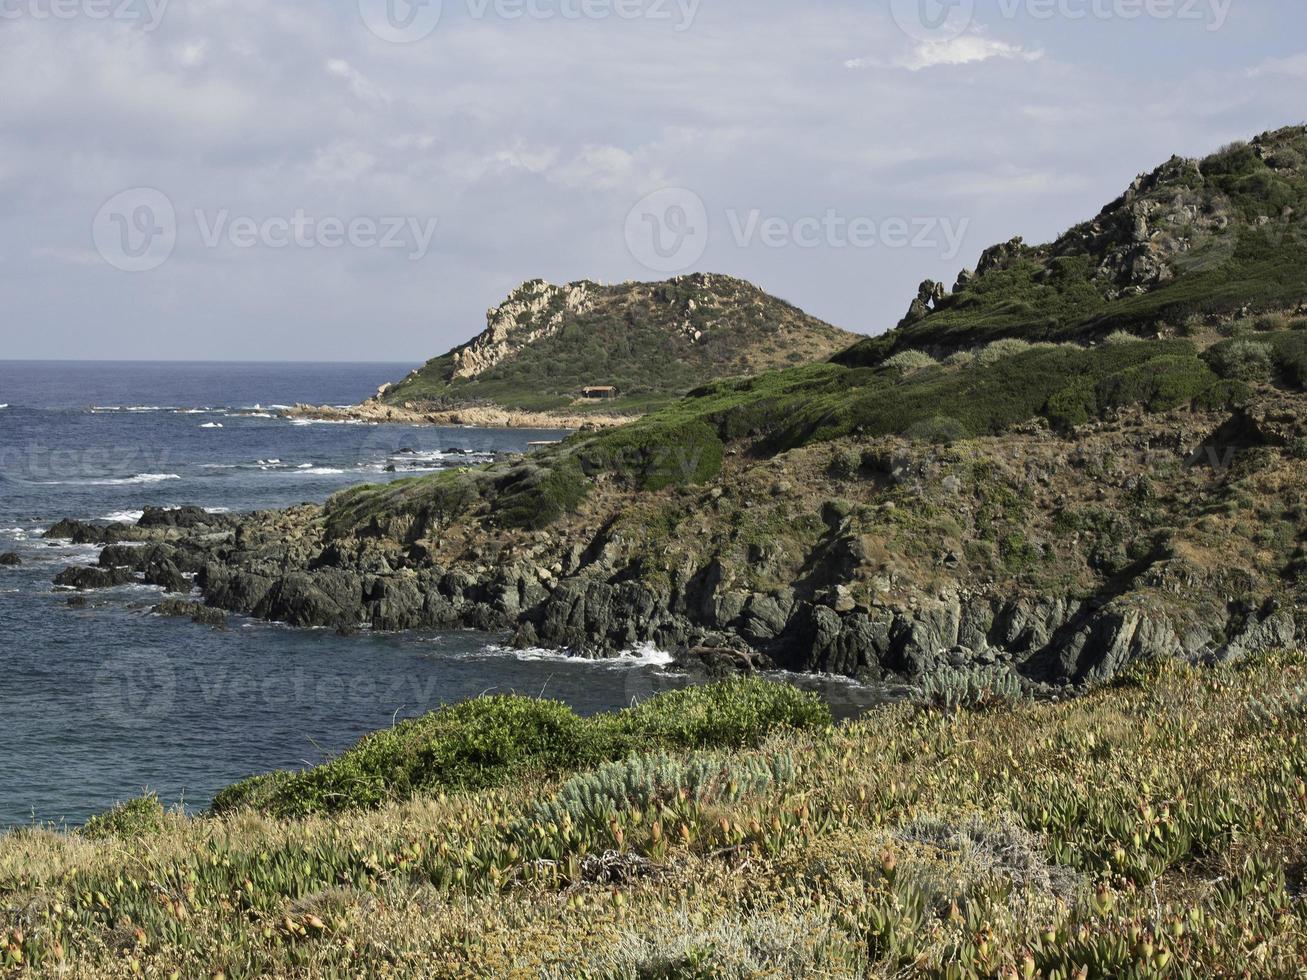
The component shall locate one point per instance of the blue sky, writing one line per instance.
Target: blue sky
(348, 180)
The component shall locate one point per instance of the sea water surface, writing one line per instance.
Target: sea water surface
(101, 702)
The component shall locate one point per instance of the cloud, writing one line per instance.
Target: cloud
(969, 49)
(531, 140)
(1294, 66)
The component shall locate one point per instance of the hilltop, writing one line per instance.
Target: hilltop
(651, 342)
(1190, 243)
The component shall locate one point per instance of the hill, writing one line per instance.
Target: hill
(1191, 243)
(650, 341)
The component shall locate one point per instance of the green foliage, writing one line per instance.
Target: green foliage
(656, 453)
(133, 819)
(489, 741)
(1154, 829)
(646, 782)
(1241, 360)
(978, 689)
(537, 493)
(911, 360)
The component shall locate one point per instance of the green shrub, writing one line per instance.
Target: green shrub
(133, 819)
(979, 689)
(1271, 322)
(1122, 337)
(911, 360)
(537, 493)
(643, 782)
(999, 349)
(1241, 360)
(491, 740)
(656, 453)
(735, 713)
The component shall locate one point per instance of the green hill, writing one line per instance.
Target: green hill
(650, 341)
(1193, 240)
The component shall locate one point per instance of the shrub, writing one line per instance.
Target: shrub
(911, 360)
(491, 740)
(643, 782)
(1122, 337)
(1241, 360)
(657, 453)
(999, 349)
(1271, 322)
(735, 713)
(534, 495)
(979, 689)
(133, 819)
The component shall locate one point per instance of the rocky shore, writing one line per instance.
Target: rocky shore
(375, 411)
(838, 559)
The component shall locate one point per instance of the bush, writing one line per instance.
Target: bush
(657, 453)
(133, 819)
(643, 782)
(1241, 360)
(911, 360)
(1272, 322)
(999, 349)
(736, 713)
(1122, 337)
(534, 495)
(492, 740)
(973, 690)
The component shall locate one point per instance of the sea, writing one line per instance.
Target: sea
(104, 701)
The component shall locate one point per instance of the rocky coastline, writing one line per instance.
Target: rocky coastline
(374, 411)
(838, 606)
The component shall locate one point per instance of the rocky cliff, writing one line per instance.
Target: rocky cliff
(1061, 503)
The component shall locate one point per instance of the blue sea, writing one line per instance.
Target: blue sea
(103, 702)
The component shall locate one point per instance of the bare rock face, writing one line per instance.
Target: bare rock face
(532, 312)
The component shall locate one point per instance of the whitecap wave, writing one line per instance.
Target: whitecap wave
(125, 481)
(319, 471)
(124, 516)
(211, 425)
(643, 655)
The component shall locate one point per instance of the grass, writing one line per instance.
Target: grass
(1156, 828)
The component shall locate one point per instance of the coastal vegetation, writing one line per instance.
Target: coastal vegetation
(1154, 828)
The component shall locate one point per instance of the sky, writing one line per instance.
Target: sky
(360, 180)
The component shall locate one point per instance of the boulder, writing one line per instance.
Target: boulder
(84, 579)
(10, 560)
(196, 612)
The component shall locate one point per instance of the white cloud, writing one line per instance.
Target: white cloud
(969, 49)
(1294, 66)
(358, 84)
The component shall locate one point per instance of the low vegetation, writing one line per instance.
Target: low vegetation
(1155, 828)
